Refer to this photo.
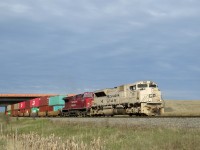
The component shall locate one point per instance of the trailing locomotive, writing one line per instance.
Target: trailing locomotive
(78, 105)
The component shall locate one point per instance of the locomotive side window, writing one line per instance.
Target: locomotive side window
(132, 88)
(100, 94)
(142, 85)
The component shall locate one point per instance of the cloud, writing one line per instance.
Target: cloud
(74, 46)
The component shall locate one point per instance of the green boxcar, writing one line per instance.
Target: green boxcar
(57, 100)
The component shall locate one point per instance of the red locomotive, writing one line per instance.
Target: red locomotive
(78, 105)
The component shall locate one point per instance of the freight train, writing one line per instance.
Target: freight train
(139, 98)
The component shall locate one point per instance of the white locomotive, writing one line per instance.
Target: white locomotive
(140, 98)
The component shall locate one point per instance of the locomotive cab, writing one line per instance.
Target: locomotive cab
(149, 97)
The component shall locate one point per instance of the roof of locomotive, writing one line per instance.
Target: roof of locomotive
(138, 82)
(141, 82)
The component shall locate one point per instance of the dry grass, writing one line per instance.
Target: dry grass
(35, 134)
(34, 141)
(182, 107)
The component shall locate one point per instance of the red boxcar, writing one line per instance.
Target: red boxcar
(78, 105)
(35, 102)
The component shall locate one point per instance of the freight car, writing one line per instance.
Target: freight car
(140, 98)
(38, 107)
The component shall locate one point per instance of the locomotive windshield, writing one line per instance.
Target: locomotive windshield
(133, 87)
(142, 85)
(152, 85)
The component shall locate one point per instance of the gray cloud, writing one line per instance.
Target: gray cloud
(73, 46)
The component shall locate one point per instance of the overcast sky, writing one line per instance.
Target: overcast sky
(67, 46)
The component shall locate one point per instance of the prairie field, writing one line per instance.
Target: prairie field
(38, 133)
(182, 108)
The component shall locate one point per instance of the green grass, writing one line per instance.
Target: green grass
(109, 137)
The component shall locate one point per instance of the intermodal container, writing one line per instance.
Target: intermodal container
(21, 112)
(56, 100)
(27, 112)
(8, 107)
(56, 108)
(12, 108)
(44, 101)
(15, 113)
(34, 102)
(22, 105)
(27, 104)
(34, 110)
(54, 113)
(45, 108)
(16, 106)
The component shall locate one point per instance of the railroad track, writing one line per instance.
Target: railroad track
(120, 117)
(144, 121)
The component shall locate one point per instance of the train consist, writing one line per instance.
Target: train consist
(140, 98)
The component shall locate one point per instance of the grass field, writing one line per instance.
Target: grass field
(37, 134)
(182, 107)
(29, 133)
